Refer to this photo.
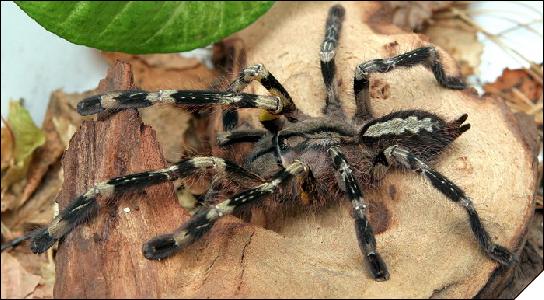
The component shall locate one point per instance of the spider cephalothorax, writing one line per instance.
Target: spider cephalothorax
(294, 148)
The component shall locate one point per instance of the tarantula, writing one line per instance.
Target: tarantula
(293, 146)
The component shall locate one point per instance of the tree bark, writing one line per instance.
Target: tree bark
(426, 240)
(103, 258)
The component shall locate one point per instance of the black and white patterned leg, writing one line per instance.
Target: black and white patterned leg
(201, 222)
(402, 157)
(327, 54)
(190, 98)
(363, 230)
(83, 207)
(427, 56)
(239, 136)
(268, 81)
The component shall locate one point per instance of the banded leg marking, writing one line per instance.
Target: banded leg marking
(168, 244)
(85, 206)
(398, 155)
(363, 230)
(239, 136)
(427, 56)
(327, 54)
(138, 99)
(258, 73)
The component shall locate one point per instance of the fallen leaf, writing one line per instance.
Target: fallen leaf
(520, 90)
(16, 281)
(6, 146)
(38, 210)
(27, 138)
(167, 61)
(520, 79)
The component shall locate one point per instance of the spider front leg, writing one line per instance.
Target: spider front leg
(427, 56)
(84, 207)
(363, 230)
(258, 73)
(190, 98)
(400, 156)
(201, 222)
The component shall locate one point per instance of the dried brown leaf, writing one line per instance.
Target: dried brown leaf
(166, 61)
(521, 91)
(38, 210)
(6, 147)
(515, 78)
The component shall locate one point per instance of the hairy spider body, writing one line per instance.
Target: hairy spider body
(296, 154)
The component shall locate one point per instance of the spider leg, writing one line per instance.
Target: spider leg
(402, 157)
(427, 56)
(258, 73)
(202, 221)
(86, 205)
(138, 99)
(363, 230)
(239, 136)
(328, 68)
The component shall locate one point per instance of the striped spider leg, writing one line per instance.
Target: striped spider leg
(363, 230)
(259, 73)
(326, 56)
(227, 138)
(202, 221)
(272, 122)
(198, 98)
(85, 206)
(404, 158)
(427, 56)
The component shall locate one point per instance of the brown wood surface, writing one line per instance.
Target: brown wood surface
(103, 258)
(427, 242)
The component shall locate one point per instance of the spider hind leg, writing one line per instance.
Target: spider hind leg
(404, 158)
(201, 222)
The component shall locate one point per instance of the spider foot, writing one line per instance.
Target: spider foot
(41, 241)
(378, 267)
(160, 247)
(502, 255)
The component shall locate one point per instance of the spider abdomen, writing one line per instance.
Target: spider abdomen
(424, 133)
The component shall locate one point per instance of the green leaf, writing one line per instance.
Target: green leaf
(27, 137)
(144, 26)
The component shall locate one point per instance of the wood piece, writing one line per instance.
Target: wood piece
(103, 259)
(426, 240)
